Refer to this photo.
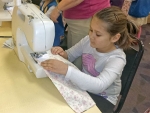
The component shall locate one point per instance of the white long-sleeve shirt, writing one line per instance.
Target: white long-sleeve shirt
(101, 71)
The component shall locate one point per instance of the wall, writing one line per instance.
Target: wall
(1, 4)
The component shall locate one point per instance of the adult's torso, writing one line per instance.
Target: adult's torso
(86, 9)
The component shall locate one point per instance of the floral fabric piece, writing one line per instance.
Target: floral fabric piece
(76, 98)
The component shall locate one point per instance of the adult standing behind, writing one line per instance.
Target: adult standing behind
(78, 14)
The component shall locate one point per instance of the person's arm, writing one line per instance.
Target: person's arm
(98, 84)
(126, 6)
(58, 66)
(77, 50)
(49, 11)
(62, 6)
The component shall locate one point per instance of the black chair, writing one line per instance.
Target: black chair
(133, 58)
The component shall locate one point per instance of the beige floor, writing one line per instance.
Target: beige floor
(5, 29)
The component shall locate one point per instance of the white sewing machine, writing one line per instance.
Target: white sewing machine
(7, 4)
(32, 33)
(6, 7)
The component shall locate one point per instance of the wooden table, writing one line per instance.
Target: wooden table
(5, 29)
(22, 92)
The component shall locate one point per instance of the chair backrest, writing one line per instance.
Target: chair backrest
(133, 58)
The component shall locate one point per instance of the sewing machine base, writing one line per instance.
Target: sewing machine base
(30, 62)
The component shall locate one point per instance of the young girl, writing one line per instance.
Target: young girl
(103, 58)
(47, 6)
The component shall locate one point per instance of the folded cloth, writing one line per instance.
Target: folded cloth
(9, 43)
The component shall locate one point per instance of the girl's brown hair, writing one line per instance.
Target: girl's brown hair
(58, 1)
(118, 23)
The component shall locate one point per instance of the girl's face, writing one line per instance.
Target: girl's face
(99, 37)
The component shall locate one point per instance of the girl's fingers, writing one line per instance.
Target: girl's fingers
(56, 50)
(61, 53)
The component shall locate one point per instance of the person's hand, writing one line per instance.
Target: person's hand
(55, 66)
(57, 51)
(54, 15)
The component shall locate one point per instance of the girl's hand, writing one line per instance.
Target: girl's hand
(57, 51)
(55, 66)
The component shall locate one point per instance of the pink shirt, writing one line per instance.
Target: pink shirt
(86, 9)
